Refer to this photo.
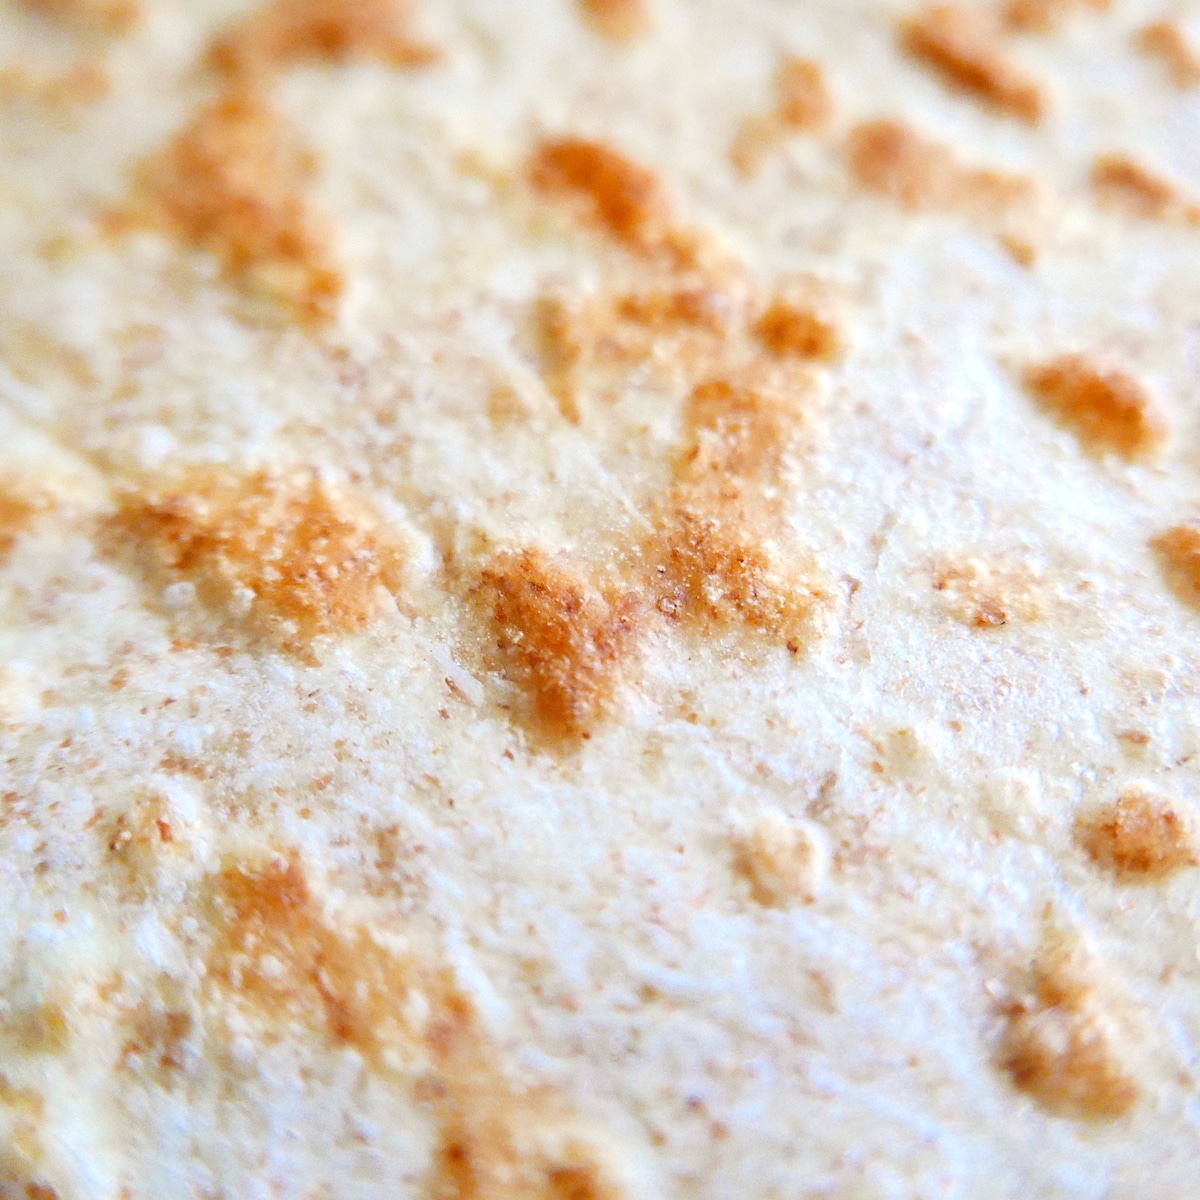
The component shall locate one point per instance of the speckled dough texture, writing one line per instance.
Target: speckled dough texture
(599, 599)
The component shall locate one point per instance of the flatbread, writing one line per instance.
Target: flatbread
(599, 600)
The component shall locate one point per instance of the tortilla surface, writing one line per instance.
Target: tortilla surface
(599, 600)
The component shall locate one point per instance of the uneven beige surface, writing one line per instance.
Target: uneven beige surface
(599, 601)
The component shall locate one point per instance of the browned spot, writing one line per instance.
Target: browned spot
(154, 1047)
(302, 559)
(21, 1149)
(1123, 184)
(38, 1028)
(756, 137)
(103, 16)
(232, 183)
(892, 160)
(398, 864)
(665, 309)
(17, 1168)
(480, 1162)
(173, 763)
(22, 1099)
(18, 1164)
(1139, 838)
(714, 565)
(17, 510)
(276, 952)
(963, 46)
(1107, 409)
(655, 327)
(24, 499)
(796, 330)
(712, 558)
(623, 199)
(84, 83)
(507, 406)
(495, 1144)
(620, 20)
(678, 329)
(1165, 41)
(1063, 1045)
(1178, 551)
(559, 350)
(135, 842)
(988, 597)
(802, 102)
(732, 432)
(29, 349)
(285, 32)
(562, 640)
(1043, 16)
(1022, 251)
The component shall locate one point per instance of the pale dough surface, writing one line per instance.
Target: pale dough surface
(770, 930)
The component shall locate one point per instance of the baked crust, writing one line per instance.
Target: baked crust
(598, 600)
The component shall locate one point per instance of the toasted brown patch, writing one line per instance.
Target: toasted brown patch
(733, 432)
(1108, 410)
(679, 330)
(232, 183)
(623, 199)
(16, 1173)
(276, 953)
(756, 137)
(135, 843)
(1063, 1046)
(787, 329)
(562, 640)
(1140, 838)
(24, 1100)
(38, 1028)
(17, 511)
(785, 862)
(713, 565)
(802, 102)
(302, 559)
(1123, 184)
(888, 158)
(712, 558)
(1044, 16)
(1022, 251)
(988, 597)
(495, 1144)
(21, 1148)
(154, 1046)
(285, 32)
(802, 96)
(557, 342)
(82, 84)
(1165, 41)
(663, 310)
(1178, 551)
(669, 328)
(963, 46)
(618, 20)
(24, 500)
(102, 16)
